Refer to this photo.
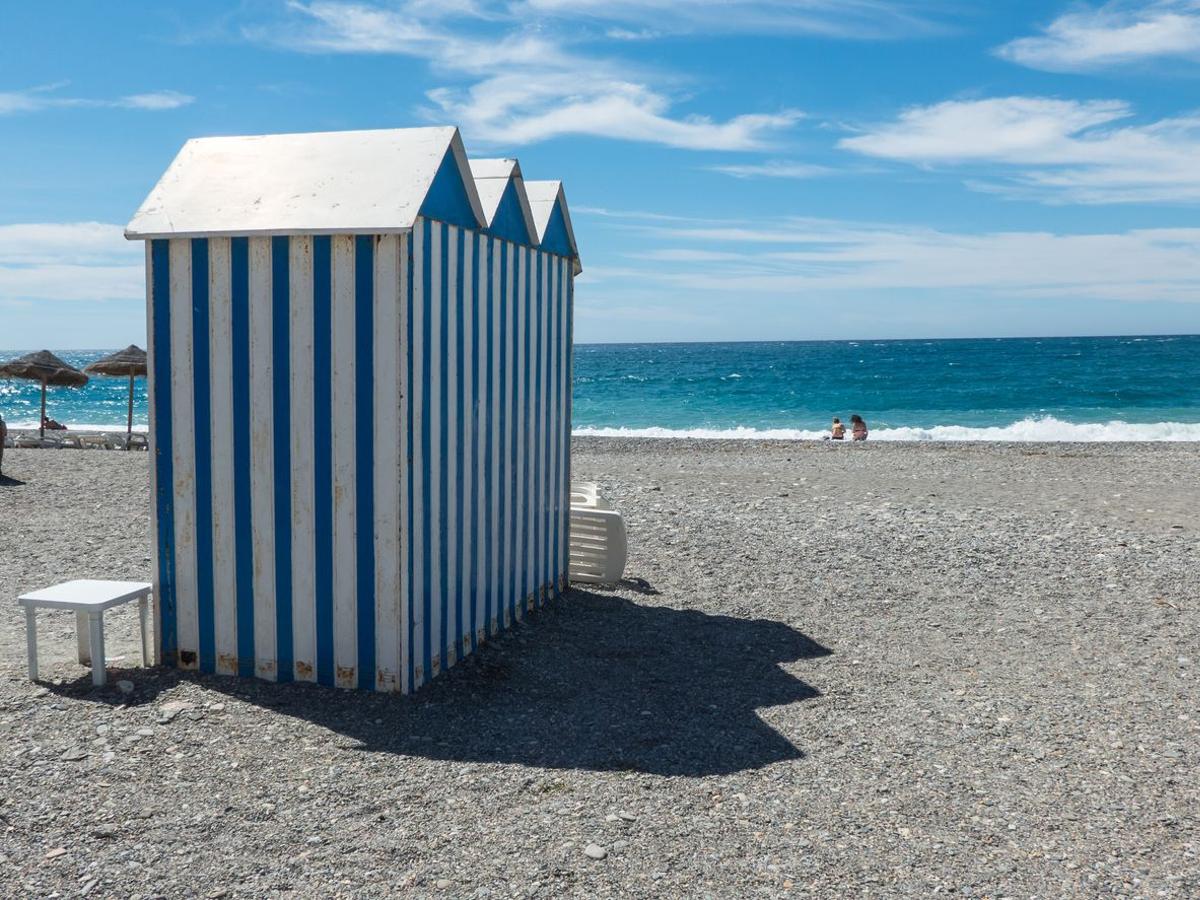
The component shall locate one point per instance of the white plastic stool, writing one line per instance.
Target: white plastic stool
(89, 599)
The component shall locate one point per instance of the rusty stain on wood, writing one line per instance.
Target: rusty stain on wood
(345, 676)
(187, 659)
(227, 663)
(304, 670)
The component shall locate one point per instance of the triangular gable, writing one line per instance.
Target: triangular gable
(548, 202)
(340, 182)
(502, 195)
(452, 197)
(555, 236)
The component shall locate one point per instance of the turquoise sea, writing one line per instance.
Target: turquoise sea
(1086, 388)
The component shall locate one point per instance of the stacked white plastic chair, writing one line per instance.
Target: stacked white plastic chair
(599, 546)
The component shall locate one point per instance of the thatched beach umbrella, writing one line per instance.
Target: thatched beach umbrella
(132, 362)
(47, 368)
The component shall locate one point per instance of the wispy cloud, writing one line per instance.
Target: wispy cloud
(851, 19)
(1057, 151)
(155, 100)
(68, 261)
(773, 168)
(789, 257)
(1115, 33)
(47, 96)
(518, 82)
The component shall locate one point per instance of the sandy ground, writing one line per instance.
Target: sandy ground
(832, 671)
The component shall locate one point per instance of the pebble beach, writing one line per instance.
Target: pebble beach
(831, 671)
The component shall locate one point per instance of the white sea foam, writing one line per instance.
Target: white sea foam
(1046, 428)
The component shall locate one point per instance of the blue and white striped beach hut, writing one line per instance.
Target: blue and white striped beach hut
(360, 405)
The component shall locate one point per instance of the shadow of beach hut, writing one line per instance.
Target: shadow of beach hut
(593, 682)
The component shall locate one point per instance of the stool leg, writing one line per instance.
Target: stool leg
(96, 623)
(82, 641)
(31, 641)
(144, 620)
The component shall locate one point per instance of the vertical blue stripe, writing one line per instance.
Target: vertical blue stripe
(540, 435)
(410, 384)
(491, 431)
(443, 486)
(535, 402)
(164, 467)
(570, 380)
(559, 500)
(323, 454)
(364, 452)
(462, 618)
(426, 338)
(503, 418)
(477, 360)
(513, 436)
(202, 398)
(530, 426)
(459, 463)
(281, 371)
(243, 529)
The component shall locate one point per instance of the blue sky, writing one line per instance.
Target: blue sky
(736, 170)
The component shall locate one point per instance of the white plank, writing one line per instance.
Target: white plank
(483, 506)
(437, 451)
(510, 432)
(495, 420)
(467, 587)
(388, 473)
(262, 458)
(541, 491)
(527, 424)
(419, 600)
(183, 455)
(345, 613)
(451, 455)
(544, 430)
(405, 467)
(220, 344)
(304, 544)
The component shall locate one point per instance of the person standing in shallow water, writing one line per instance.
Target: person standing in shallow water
(858, 428)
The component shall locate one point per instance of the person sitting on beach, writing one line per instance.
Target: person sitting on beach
(50, 425)
(858, 428)
(838, 432)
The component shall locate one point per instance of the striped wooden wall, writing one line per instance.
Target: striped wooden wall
(361, 449)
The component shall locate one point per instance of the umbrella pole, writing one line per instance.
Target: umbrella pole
(129, 427)
(42, 423)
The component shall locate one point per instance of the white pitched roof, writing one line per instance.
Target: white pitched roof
(491, 179)
(320, 183)
(543, 195)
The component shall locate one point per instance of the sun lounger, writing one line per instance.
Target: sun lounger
(95, 442)
(598, 542)
(584, 493)
(32, 440)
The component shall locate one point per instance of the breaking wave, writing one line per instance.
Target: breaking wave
(1046, 428)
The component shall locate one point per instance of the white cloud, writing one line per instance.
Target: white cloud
(793, 257)
(155, 100)
(47, 97)
(772, 168)
(68, 261)
(1049, 149)
(523, 84)
(1113, 34)
(853, 19)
